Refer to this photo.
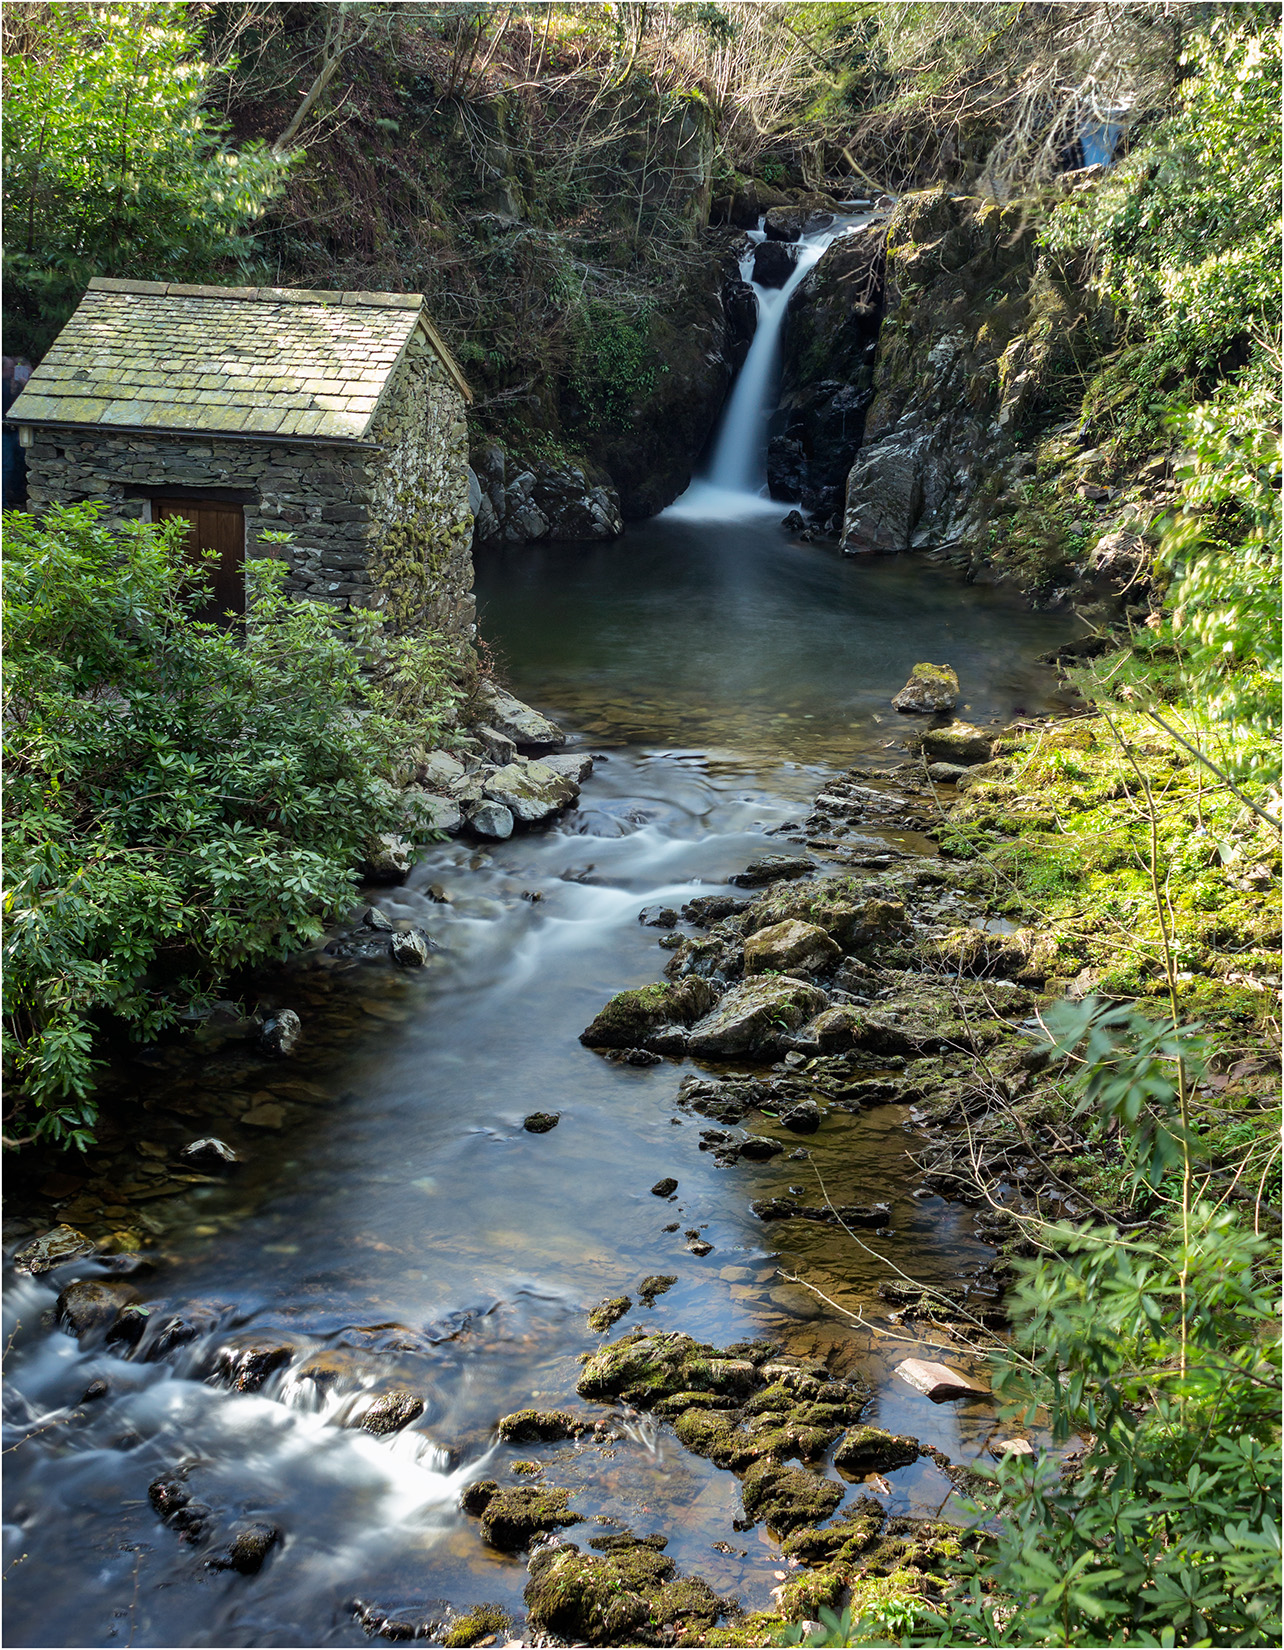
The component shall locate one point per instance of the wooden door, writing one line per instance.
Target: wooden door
(220, 527)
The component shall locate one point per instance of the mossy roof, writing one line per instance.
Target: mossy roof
(237, 361)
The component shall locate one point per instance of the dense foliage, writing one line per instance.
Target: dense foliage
(113, 163)
(180, 800)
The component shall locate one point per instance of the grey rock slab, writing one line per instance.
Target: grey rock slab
(752, 1017)
(571, 765)
(490, 820)
(525, 727)
(530, 791)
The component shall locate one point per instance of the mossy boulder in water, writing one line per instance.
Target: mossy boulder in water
(530, 1426)
(631, 1017)
(870, 1449)
(787, 1497)
(930, 689)
(622, 1594)
(960, 743)
(512, 1518)
(642, 1369)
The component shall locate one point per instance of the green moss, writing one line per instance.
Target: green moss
(610, 1311)
(513, 1517)
(480, 1622)
(787, 1497)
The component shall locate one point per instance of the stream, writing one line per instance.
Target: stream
(405, 1230)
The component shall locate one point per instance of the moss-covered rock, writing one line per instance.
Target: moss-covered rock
(642, 1369)
(789, 946)
(870, 1449)
(631, 1017)
(480, 1622)
(622, 1594)
(754, 1018)
(608, 1312)
(539, 1426)
(512, 1518)
(787, 1497)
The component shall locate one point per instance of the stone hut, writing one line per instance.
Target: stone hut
(335, 416)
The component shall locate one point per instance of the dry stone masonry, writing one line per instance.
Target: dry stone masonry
(335, 417)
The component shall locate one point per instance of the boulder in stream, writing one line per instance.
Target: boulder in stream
(960, 742)
(633, 1017)
(248, 1549)
(391, 1411)
(754, 1018)
(530, 791)
(930, 690)
(51, 1249)
(871, 1449)
(490, 820)
(787, 1497)
(773, 264)
(788, 946)
(390, 858)
(92, 1304)
(409, 950)
(525, 727)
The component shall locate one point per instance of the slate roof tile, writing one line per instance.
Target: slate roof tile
(245, 360)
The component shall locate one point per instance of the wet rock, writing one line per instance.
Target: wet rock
(633, 1017)
(959, 743)
(657, 916)
(96, 1389)
(610, 1311)
(169, 1493)
(391, 1412)
(945, 773)
(525, 727)
(787, 1497)
(772, 868)
(655, 1285)
(773, 264)
(790, 947)
(530, 791)
(753, 1017)
(540, 1122)
(939, 1381)
(281, 1034)
(209, 1152)
(476, 1498)
(758, 1148)
(512, 1518)
(699, 1247)
(489, 820)
(930, 689)
(664, 1188)
(247, 1362)
(51, 1249)
(540, 1426)
(416, 1621)
(1011, 1446)
(794, 522)
(575, 766)
(390, 859)
(978, 774)
(409, 950)
(804, 1118)
(92, 1304)
(248, 1549)
(268, 1116)
(870, 1449)
(711, 908)
(846, 1214)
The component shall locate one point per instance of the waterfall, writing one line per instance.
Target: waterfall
(739, 463)
(737, 478)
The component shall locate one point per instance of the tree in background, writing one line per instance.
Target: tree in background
(112, 164)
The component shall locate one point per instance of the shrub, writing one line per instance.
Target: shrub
(180, 800)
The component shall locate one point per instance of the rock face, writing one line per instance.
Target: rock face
(751, 1018)
(978, 324)
(520, 505)
(930, 690)
(830, 339)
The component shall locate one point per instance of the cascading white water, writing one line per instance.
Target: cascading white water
(736, 482)
(739, 463)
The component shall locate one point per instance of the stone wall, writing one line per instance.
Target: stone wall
(387, 529)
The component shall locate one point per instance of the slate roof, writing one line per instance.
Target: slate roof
(235, 361)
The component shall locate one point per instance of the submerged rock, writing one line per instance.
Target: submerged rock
(771, 868)
(210, 1152)
(939, 1381)
(659, 1284)
(51, 1249)
(247, 1362)
(248, 1549)
(930, 689)
(483, 1621)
